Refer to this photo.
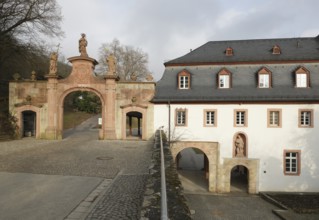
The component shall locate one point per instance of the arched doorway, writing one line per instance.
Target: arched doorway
(193, 169)
(29, 122)
(134, 122)
(81, 109)
(239, 179)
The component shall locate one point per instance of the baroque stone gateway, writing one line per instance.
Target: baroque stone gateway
(120, 100)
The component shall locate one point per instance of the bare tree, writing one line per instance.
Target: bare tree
(29, 18)
(131, 62)
(23, 23)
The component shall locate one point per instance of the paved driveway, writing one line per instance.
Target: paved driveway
(42, 179)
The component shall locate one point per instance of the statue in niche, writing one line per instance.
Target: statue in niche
(82, 45)
(111, 63)
(53, 63)
(239, 146)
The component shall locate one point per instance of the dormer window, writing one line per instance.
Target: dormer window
(184, 80)
(224, 79)
(276, 50)
(264, 78)
(229, 51)
(302, 77)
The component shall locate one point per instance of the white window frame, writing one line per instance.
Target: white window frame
(223, 81)
(274, 118)
(181, 117)
(264, 80)
(210, 118)
(184, 82)
(301, 80)
(240, 117)
(292, 162)
(305, 118)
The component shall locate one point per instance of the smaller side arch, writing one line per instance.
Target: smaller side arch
(251, 164)
(134, 108)
(19, 112)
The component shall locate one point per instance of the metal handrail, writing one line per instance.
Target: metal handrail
(164, 213)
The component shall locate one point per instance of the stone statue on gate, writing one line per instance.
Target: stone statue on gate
(53, 63)
(82, 45)
(111, 63)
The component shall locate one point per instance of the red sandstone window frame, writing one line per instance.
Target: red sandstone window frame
(181, 117)
(271, 120)
(228, 83)
(184, 80)
(207, 111)
(291, 162)
(242, 116)
(305, 118)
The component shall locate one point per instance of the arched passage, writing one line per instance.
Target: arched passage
(210, 149)
(193, 169)
(28, 121)
(238, 165)
(61, 102)
(134, 125)
(239, 179)
(138, 112)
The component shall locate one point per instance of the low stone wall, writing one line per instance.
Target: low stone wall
(177, 207)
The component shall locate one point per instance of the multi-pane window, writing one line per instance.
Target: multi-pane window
(224, 81)
(274, 117)
(184, 82)
(181, 115)
(301, 80)
(210, 118)
(263, 80)
(224, 78)
(305, 118)
(292, 162)
(240, 118)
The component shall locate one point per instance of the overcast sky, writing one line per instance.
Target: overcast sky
(167, 29)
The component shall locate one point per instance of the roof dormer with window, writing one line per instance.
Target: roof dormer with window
(224, 79)
(229, 51)
(302, 78)
(276, 50)
(264, 78)
(184, 80)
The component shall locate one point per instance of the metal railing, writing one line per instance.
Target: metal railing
(164, 213)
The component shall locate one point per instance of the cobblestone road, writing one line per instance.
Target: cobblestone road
(81, 154)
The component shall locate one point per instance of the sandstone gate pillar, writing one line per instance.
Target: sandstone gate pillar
(109, 132)
(51, 130)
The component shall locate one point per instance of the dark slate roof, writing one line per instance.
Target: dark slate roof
(252, 51)
(244, 76)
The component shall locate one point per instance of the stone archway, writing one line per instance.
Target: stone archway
(138, 111)
(251, 164)
(210, 149)
(61, 108)
(20, 117)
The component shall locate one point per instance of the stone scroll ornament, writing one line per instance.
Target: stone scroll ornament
(82, 45)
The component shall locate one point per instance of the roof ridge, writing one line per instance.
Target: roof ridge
(264, 39)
